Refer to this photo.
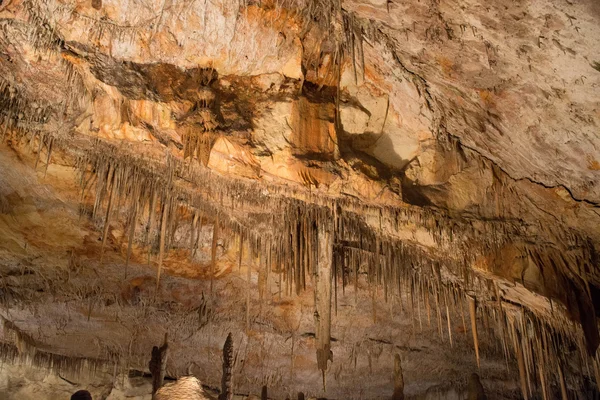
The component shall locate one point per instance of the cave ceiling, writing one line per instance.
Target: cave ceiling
(351, 188)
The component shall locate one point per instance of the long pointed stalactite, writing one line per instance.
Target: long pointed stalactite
(473, 314)
(322, 287)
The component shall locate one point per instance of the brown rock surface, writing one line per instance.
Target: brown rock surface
(170, 167)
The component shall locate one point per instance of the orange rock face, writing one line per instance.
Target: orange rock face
(450, 148)
(313, 129)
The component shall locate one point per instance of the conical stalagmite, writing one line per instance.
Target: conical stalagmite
(158, 364)
(227, 377)
(263, 393)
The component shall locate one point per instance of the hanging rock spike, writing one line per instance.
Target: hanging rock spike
(473, 315)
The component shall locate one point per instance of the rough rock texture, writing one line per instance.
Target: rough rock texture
(171, 166)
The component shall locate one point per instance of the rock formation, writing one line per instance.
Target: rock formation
(341, 184)
(186, 388)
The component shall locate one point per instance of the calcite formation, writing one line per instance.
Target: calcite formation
(360, 198)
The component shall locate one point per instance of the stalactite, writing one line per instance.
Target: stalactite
(240, 251)
(193, 239)
(198, 235)
(541, 367)
(563, 385)
(151, 211)
(412, 300)
(323, 293)
(161, 245)
(262, 276)
(448, 319)
(596, 371)
(419, 313)
(213, 252)
(473, 314)
(426, 296)
(520, 362)
(439, 314)
(39, 151)
(526, 351)
(113, 188)
(398, 379)
(55, 363)
(172, 224)
(132, 223)
(248, 286)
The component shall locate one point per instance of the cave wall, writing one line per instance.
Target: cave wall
(157, 150)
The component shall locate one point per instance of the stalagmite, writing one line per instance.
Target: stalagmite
(263, 393)
(398, 379)
(473, 314)
(227, 377)
(322, 291)
(158, 364)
